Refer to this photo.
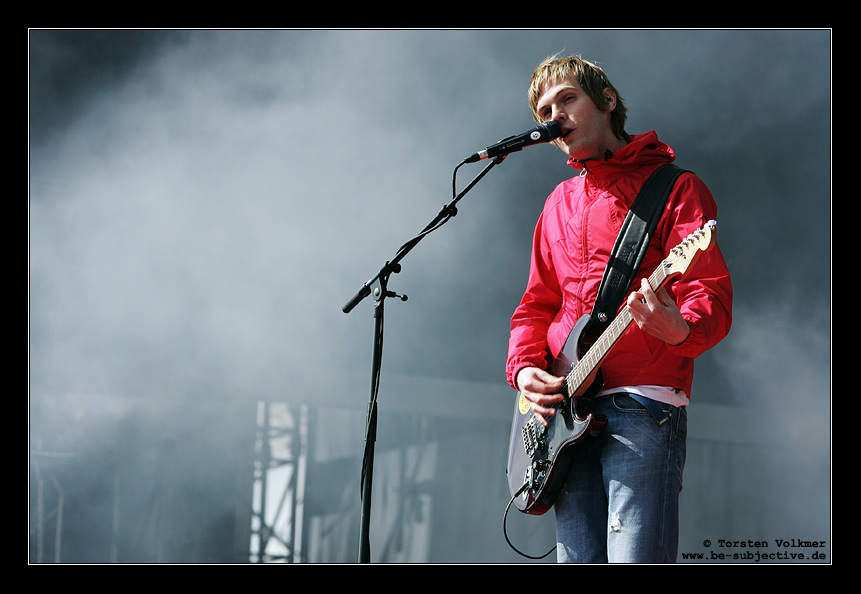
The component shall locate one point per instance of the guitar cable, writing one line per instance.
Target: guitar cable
(505, 530)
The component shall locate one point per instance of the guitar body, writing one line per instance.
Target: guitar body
(541, 455)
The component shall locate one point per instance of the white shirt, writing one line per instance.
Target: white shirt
(659, 393)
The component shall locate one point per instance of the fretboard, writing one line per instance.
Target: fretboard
(596, 353)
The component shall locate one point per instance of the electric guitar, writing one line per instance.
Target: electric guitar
(539, 456)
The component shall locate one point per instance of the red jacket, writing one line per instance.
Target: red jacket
(572, 244)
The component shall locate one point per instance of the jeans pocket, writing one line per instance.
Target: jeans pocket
(659, 411)
(624, 403)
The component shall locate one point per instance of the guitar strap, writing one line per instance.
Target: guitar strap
(631, 244)
(628, 252)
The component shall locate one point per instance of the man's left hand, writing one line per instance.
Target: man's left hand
(658, 314)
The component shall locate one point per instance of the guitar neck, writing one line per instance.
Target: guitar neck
(599, 350)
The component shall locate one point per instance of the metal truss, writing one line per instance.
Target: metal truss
(280, 468)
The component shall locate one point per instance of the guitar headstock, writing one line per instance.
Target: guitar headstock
(683, 256)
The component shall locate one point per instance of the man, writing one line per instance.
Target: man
(620, 500)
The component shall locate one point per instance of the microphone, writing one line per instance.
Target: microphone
(542, 133)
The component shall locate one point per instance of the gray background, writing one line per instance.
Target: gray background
(202, 203)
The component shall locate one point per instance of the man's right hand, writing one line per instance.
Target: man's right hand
(541, 389)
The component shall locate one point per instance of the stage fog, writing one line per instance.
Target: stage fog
(203, 203)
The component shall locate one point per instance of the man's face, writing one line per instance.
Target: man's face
(586, 129)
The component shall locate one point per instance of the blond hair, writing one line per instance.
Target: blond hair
(591, 79)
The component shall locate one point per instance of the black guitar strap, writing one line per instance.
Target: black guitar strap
(632, 242)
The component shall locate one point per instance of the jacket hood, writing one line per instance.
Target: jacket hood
(644, 149)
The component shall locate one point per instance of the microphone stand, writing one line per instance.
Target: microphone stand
(380, 294)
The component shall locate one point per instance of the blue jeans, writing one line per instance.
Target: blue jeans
(620, 500)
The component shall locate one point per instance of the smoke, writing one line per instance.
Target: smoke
(203, 203)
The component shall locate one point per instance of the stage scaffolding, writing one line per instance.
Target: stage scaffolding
(280, 471)
(139, 480)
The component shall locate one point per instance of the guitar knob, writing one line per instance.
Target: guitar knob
(528, 480)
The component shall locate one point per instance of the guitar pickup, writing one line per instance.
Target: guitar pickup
(533, 434)
(530, 441)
